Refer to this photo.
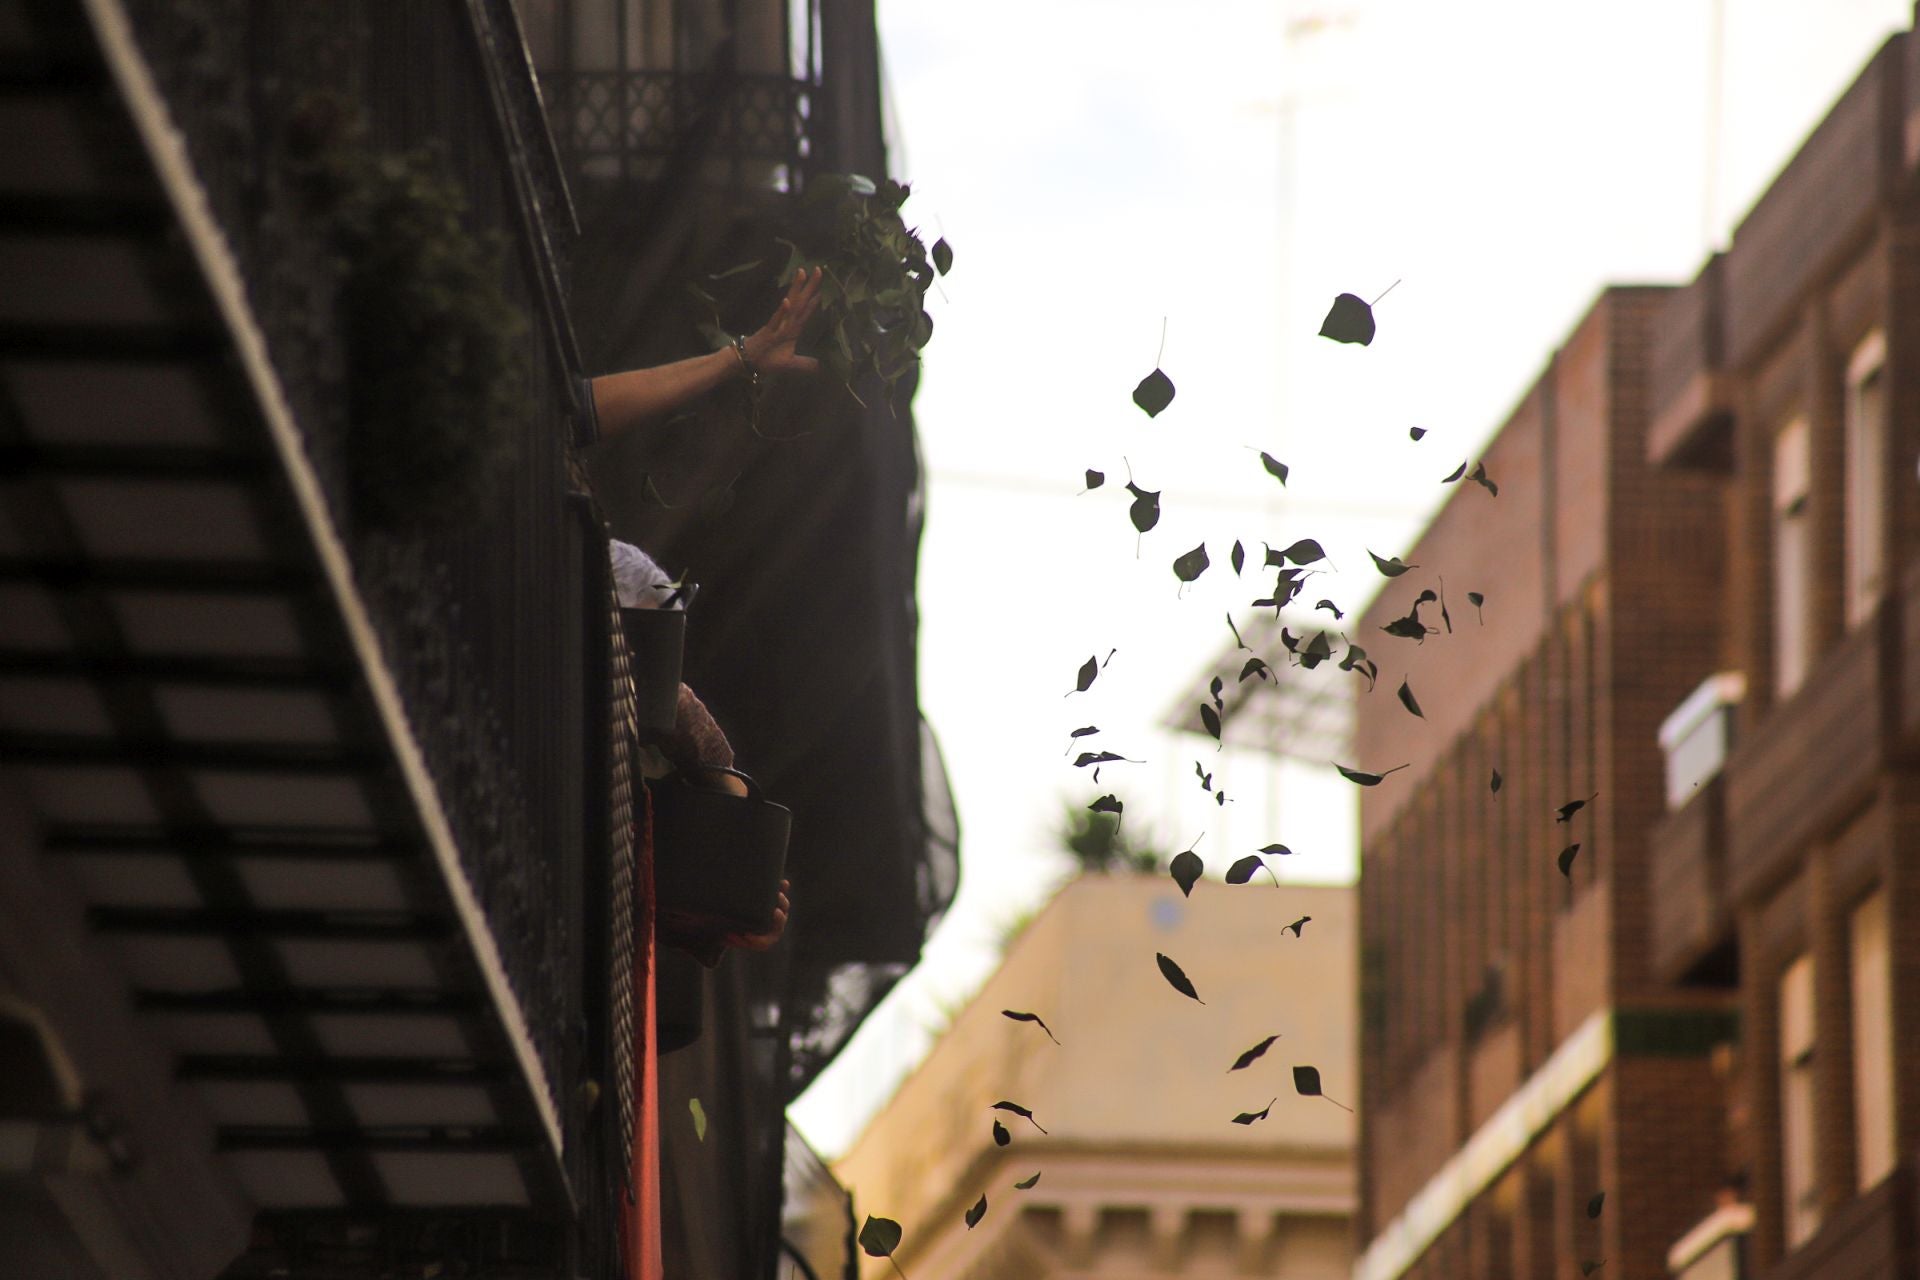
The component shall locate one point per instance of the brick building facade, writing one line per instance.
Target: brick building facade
(1702, 616)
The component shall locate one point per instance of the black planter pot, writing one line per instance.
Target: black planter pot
(656, 642)
(680, 996)
(717, 858)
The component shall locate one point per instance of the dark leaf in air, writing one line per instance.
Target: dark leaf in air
(1255, 667)
(1253, 1055)
(1291, 641)
(1248, 1117)
(1238, 558)
(1305, 551)
(1331, 608)
(942, 255)
(1086, 758)
(1276, 850)
(1186, 868)
(1416, 432)
(1456, 473)
(1494, 783)
(1176, 978)
(1210, 720)
(1000, 1135)
(1595, 1203)
(1095, 478)
(1366, 779)
(1192, 564)
(1306, 1081)
(1206, 779)
(1238, 643)
(1475, 599)
(1296, 926)
(1089, 670)
(1145, 511)
(1392, 566)
(1214, 689)
(976, 1213)
(1082, 732)
(1275, 468)
(1565, 860)
(1018, 1110)
(1357, 660)
(1027, 1184)
(1154, 393)
(1349, 320)
(1592, 1265)
(1571, 807)
(1318, 650)
(1407, 700)
(1242, 870)
(1481, 478)
(1107, 804)
(1020, 1016)
(880, 1237)
(1409, 627)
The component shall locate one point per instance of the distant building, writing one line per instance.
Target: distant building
(1143, 1171)
(1702, 619)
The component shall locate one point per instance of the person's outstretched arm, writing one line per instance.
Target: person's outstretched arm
(623, 400)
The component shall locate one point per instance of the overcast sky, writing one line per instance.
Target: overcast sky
(1229, 166)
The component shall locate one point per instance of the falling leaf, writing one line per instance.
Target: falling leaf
(699, 1118)
(1305, 551)
(1592, 1265)
(1210, 719)
(1407, 700)
(1409, 627)
(1475, 599)
(1000, 1135)
(1095, 478)
(1595, 1203)
(1480, 478)
(1255, 667)
(1145, 511)
(1242, 870)
(1027, 1184)
(1253, 1055)
(1192, 564)
(1248, 1117)
(1206, 779)
(1213, 689)
(1020, 1016)
(1331, 608)
(1018, 1110)
(1357, 660)
(1565, 860)
(1187, 868)
(1416, 432)
(1176, 978)
(976, 1213)
(1086, 758)
(1275, 468)
(1154, 393)
(1366, 779)
(1238, 643)
(1088, 671)
(1107, 804)
(1456, 473)
(1494, 783)
(1571, 807)
(1392, 567)
(1318, 650)
(1238, 558)
(880, 1237)
(1349, 320)
(1276, 850)
(1306, 1081)
(1082, 732)
(942, 255)
(1296, 926)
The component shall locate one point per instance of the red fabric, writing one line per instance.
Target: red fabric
(640, 1221)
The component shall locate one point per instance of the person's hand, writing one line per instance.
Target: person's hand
(763, 941)
(770, 349)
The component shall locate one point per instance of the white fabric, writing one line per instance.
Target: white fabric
(637, 580)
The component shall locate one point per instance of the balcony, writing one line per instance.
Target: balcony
(332, 794)
(1691, 390)
(1868, 1238)
(1692, 922)
(1811, 759)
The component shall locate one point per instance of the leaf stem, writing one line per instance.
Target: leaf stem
(1389, 289)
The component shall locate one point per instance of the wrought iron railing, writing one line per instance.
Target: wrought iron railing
(631, 125)
(493, 629)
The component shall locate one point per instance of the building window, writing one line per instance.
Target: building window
(1866, 431)
(1871, 980)
(1792, 557)
(1799, 1184)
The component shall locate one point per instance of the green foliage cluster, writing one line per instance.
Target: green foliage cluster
(436, 369)
(873, 320)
